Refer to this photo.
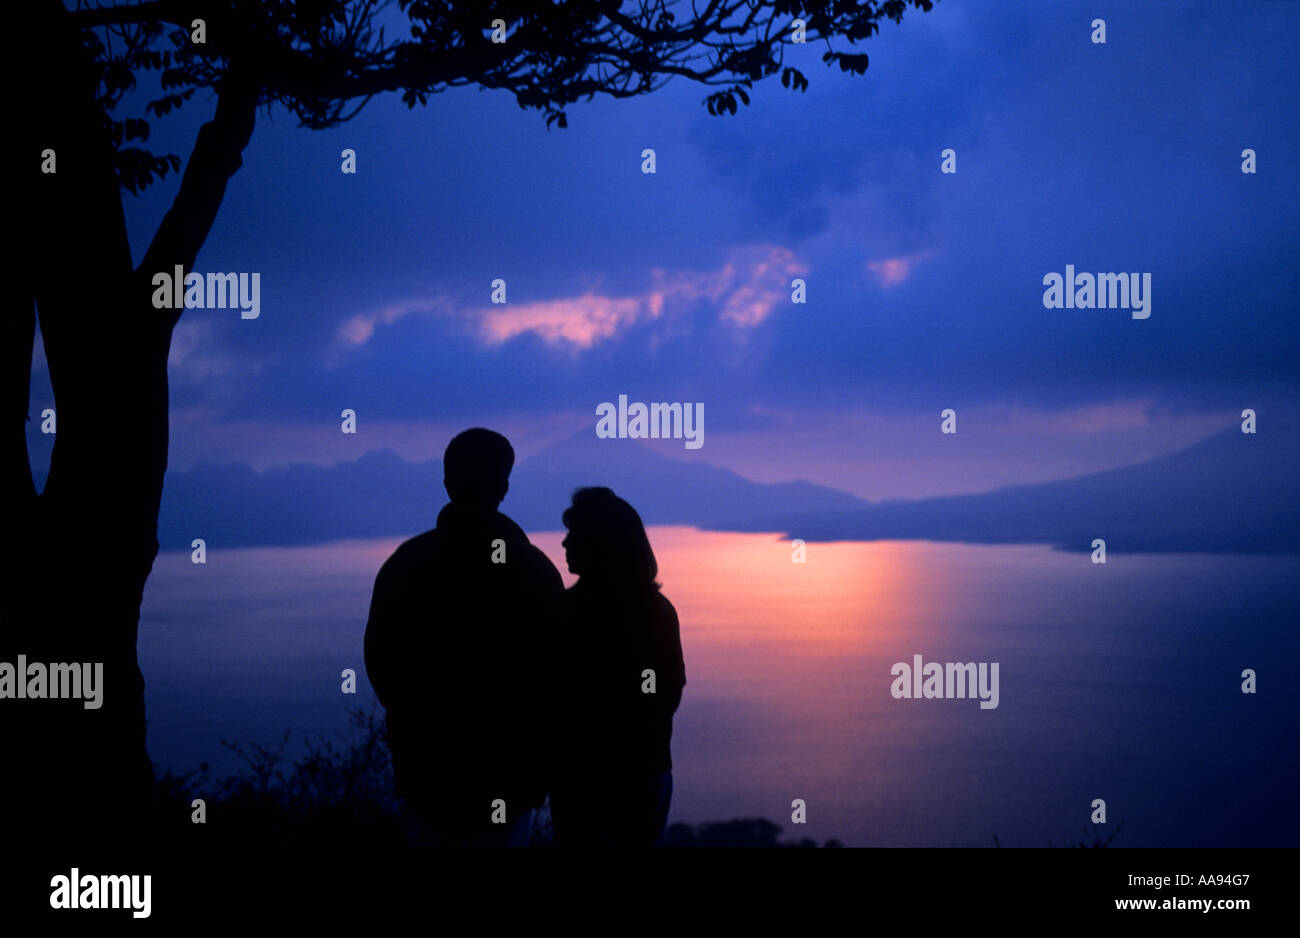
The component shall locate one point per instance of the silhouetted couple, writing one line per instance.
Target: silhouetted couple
(500, 687)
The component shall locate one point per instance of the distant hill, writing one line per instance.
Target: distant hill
(231, 505)
(663, 490)
(1231, 493)
(381, 494)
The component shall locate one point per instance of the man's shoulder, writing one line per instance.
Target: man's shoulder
(413, 551)
(519, 538)
(543, 569)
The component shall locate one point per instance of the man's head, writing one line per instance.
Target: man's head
(476, 467)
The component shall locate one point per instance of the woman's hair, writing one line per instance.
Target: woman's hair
(612, 529)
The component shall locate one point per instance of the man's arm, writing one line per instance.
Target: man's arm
(549, 676)
(380, 655)
(547, 593)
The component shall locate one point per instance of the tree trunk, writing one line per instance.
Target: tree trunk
(85, 546)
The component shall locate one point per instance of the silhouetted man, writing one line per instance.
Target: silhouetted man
(460, 622)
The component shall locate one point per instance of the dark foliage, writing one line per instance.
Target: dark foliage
(342, 792)
(322, 60)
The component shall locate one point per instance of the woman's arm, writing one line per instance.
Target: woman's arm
(668, 653)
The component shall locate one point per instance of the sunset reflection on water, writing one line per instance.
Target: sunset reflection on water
(1116, 680)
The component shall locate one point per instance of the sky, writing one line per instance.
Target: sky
(924, 289)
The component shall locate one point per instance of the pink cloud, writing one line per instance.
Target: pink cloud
(358, 329)
(895, 270)
(1110, 417)
(579, 321)
(745, 291)
(748, 287)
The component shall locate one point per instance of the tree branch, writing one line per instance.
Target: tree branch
(215, 158)
(151, 11)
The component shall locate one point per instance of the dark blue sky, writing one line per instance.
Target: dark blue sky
(924, 289)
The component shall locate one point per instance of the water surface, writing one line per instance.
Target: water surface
(1119, 682)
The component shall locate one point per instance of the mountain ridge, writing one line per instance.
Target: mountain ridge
(1229, 493)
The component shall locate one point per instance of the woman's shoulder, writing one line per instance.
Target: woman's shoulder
(662, 608)
(586, 595)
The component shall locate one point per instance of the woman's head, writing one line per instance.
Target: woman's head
(607, 542)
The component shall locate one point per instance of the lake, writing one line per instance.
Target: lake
(1119, 681)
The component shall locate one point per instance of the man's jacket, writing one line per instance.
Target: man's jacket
(457, 649)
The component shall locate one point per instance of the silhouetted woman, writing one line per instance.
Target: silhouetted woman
(623, 674)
